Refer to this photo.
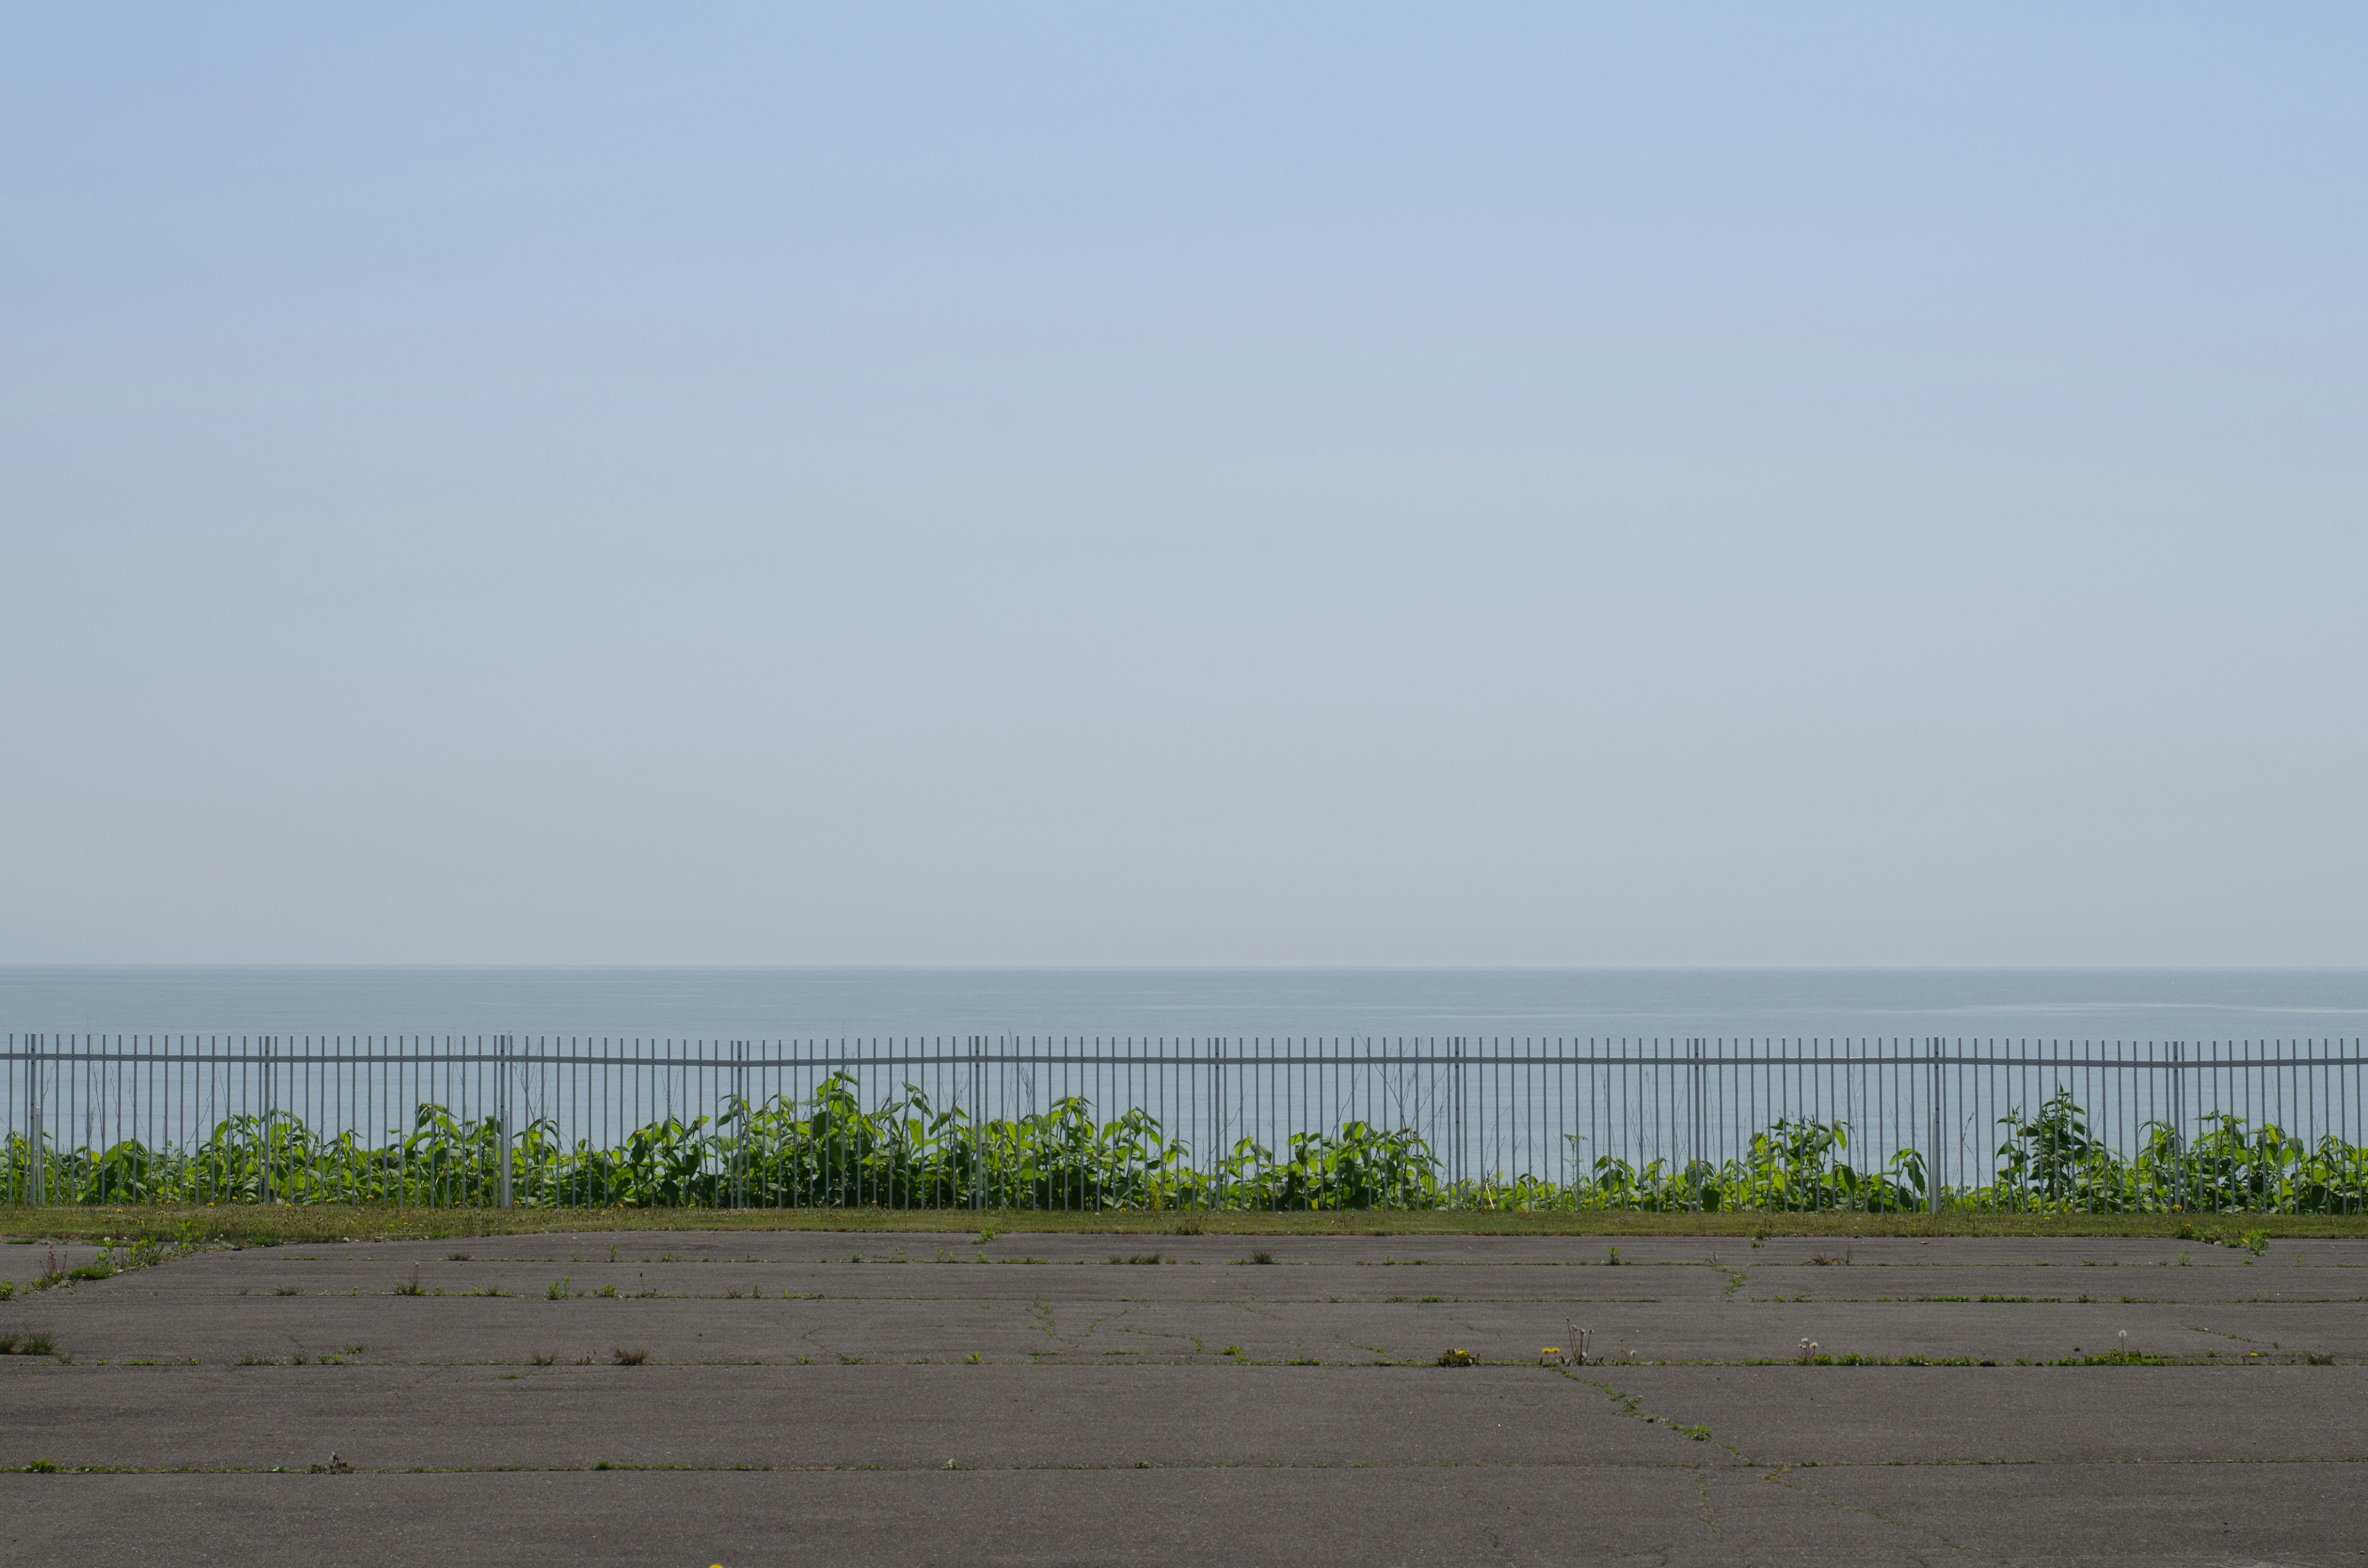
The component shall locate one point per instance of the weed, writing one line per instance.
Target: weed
(410, 1287)
(252, 1360)
(37, 1343)
(1809, 1350)
(1261, 1257)
(1698, 1434)
(458, 1257)
(353, 1349)
(1451, 1356)
(1614, 1260)
(1759, 1237)
(43, 1467)
(624, 1357)
(1144, 1257)
(1231, 1350)
(1185, 1228)
(289, 1290)
(971, 1359)
(557, 1289)
(606, 1291)
(2256, 1242)
(336, 1466)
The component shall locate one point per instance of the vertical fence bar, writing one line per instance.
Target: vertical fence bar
(1932, 1163)
(37, 1185)
(503, 1197)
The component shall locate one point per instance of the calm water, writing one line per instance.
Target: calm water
(2104, 1005)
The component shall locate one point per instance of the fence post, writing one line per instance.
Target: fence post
(264, 1182)
(36, 1183)
(502, 1107)
(1217, 1121)
(1932, 1161)
(977, 1125)
(2178, 1123)
(1455, 1105)
(1694, 1143)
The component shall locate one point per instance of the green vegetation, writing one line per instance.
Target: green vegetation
(904, 1157)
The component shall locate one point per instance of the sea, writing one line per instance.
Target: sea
(2071, 1005)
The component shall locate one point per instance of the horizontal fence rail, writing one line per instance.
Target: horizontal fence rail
(985, 1123)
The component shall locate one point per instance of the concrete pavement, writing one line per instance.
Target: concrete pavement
(854, 1399)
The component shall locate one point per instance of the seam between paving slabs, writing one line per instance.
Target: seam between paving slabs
(1772, 1472)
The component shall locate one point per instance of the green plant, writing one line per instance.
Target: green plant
(557, 1289)
(833, 1150)
(1454, 1358)
(43, 1467)
(40, 1342)
(410, 1287)
(624, 1357)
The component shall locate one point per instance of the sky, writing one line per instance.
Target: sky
(1263, 485)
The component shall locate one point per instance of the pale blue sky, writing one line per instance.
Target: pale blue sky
(1261, 485)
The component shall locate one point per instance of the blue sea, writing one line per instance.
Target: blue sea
(1171, 1003)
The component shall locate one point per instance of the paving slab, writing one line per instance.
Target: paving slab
(1251, 1517)
(24, 1263)
(2010, 1414)
(902, 1417)
(118, 1320)
(2251, 1515)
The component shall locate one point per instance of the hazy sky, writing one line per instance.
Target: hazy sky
(1275, 484)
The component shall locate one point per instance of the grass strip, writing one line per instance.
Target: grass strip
(275, 1224)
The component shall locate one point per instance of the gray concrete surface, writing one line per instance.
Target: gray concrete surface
(1026, 1400)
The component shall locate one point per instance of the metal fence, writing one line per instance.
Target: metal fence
(996, 1122)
